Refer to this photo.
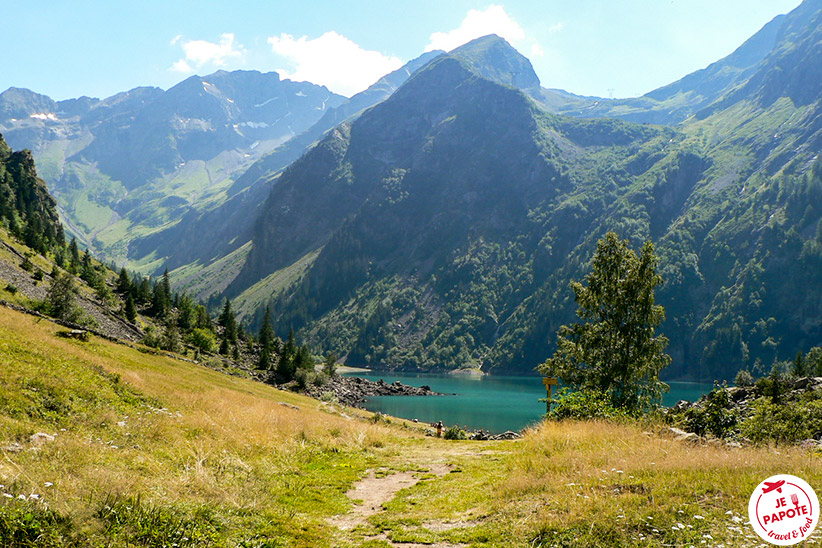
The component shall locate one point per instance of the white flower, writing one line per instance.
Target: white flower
(697, 516)
(48, 484)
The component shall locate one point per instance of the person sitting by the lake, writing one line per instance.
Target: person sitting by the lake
(439, 426)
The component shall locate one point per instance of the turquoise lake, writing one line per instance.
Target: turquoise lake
(492, 403)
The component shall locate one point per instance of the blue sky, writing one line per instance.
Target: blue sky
(590, 47)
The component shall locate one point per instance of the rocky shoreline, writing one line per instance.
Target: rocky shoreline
(352, 391)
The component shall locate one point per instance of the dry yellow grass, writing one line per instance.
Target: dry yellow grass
(237, 458)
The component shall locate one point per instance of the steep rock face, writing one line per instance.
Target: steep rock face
(26, 207)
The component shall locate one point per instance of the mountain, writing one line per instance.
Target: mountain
(134, 163)
(441, 227)
(208, 246)
(675, 102)
(26, 207)
(281, 157)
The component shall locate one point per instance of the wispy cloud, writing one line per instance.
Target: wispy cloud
(556, 27)
(203, 54)
(332, 60)
(492, 20)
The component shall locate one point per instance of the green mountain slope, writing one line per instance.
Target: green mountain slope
(132, 164)
(450, 218)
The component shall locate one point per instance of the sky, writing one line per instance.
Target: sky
(604, 48)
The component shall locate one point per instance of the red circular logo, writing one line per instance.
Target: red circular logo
(783, 510)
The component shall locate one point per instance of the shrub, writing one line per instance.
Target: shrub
(716, 417)
(203, 339)
(12, 289)
(744, 378)
(455, 433)
(584, 404)
(770, 421)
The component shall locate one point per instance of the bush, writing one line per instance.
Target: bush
(12, 289)
(584, 404)
(455, 433)
(770, 421)
(744, 378)
(203, 339)
(716, 417)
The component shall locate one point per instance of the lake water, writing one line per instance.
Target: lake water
(493, 403)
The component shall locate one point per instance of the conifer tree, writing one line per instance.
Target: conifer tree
(287, 364)
(74, 255)
(229, 324)
(131, 311)
(266, 338)
(123, 282)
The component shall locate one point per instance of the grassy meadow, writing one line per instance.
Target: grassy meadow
(145, 450)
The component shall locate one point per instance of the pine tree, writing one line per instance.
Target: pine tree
(131, 311)
(266, 338)
(123, 282)
(74, 255)
(62, 296)
(229, 323)
(615, 351)
(286, 365)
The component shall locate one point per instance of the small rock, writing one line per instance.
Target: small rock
(41, 438)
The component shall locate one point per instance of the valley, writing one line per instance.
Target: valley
(319, 305)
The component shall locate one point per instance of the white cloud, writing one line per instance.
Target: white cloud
(537, 51)
(201, 53)
(493, 20)
(332, 60)
(556, 27)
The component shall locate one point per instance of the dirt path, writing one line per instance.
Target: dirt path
(373, 491)
(380, 487)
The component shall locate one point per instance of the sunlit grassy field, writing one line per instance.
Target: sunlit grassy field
(151, 451)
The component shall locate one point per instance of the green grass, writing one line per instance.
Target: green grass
(269, 287)
(201, 281)
(151, 451)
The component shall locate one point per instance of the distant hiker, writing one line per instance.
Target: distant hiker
(439, 429)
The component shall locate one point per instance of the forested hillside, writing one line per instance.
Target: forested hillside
(441, 228)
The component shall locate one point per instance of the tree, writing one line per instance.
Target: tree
(74, 254)
(266, 337)
(229, 323)
(330, 364)
(61, 298)
(615, 351)
(287, 364)
(131, 310)
(123, 282)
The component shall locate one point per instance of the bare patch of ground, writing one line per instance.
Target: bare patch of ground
(370, 493)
